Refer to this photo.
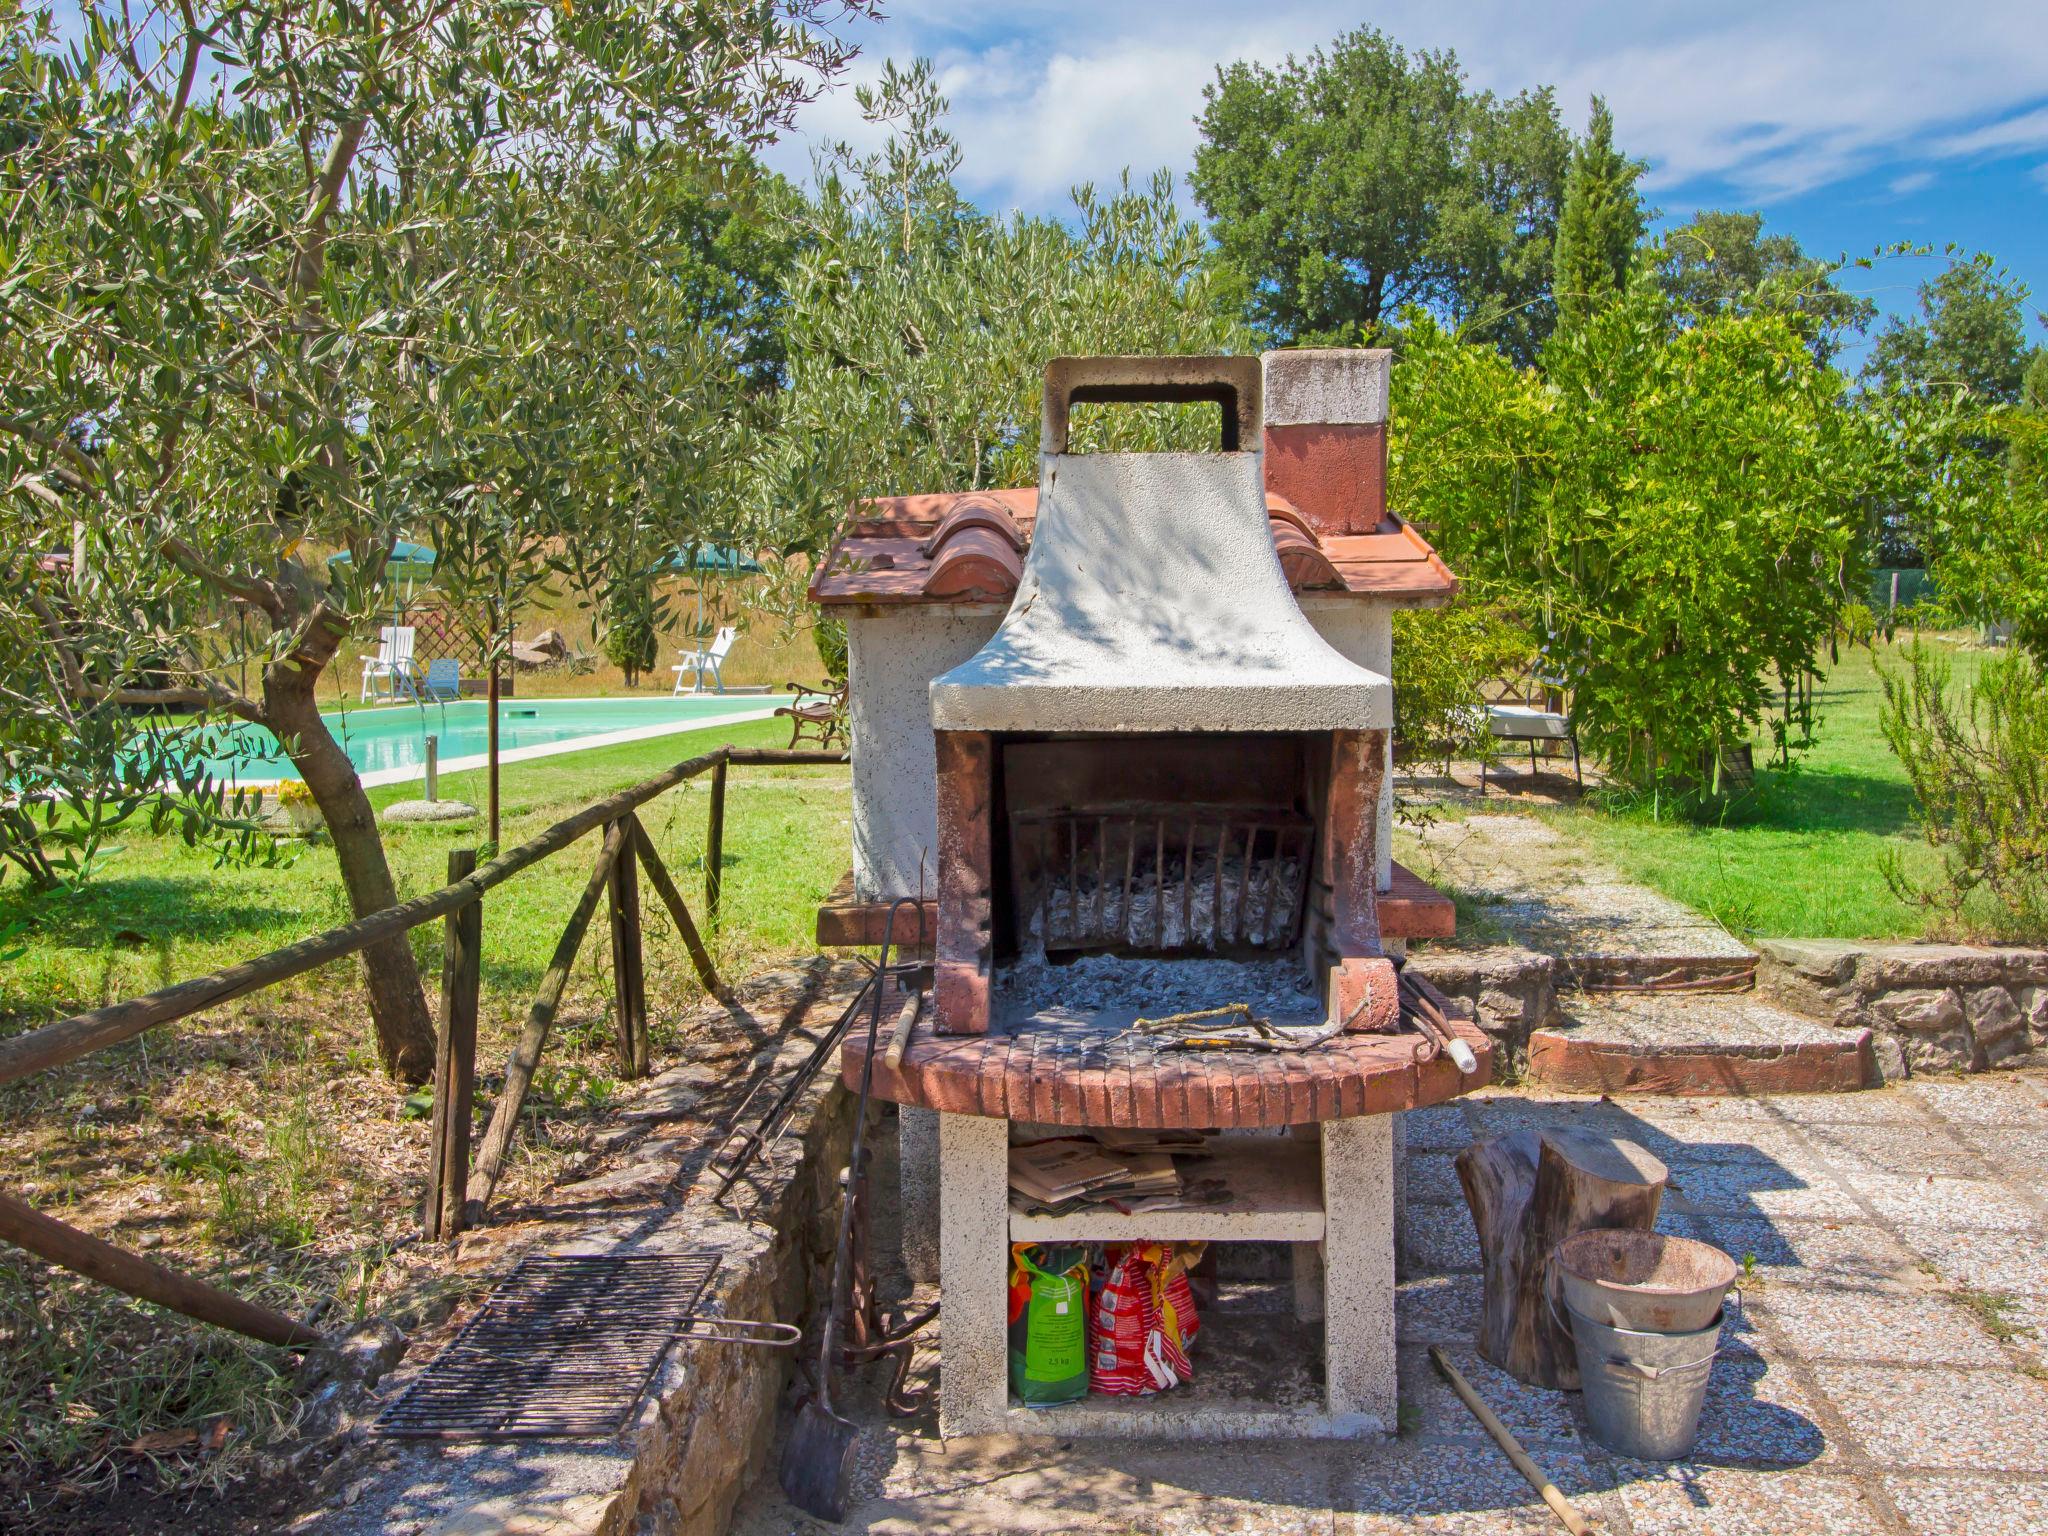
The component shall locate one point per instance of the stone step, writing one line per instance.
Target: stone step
(1695, 1043)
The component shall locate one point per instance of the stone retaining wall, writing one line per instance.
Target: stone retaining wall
(1929, 1007)
(712, 1421)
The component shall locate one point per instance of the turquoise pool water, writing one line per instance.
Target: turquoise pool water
(388, 743)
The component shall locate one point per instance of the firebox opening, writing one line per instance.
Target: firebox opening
(1155, 872)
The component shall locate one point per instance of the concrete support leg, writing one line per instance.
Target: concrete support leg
(917, 1181)
(1307, 1259)
(1358, 1255)
(1400, 1119)
(974, 1237)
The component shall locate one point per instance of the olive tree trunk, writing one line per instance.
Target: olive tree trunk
(398, 1007)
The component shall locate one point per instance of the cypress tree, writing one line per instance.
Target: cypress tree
(1600, 224)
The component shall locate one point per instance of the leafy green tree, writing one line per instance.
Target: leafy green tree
(918, 328)
(1969, 335)
(310, 276)
(1362, 178)
(1722, 263)
(1675, 509)
(1600, 225)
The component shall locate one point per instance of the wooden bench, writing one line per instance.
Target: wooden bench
(819, 711)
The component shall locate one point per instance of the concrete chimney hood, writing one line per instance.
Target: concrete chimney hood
(1151, 598)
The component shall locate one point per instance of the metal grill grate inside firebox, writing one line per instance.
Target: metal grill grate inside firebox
(1165, 881)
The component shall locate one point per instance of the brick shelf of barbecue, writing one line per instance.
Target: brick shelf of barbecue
(1275, 1188)
(1054, 1073)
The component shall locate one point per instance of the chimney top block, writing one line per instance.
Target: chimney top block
(1327, 386)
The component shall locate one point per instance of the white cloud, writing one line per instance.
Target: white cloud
(2040, 174)
(1911, 182)
(1766, 99)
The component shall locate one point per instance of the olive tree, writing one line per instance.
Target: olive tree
(918, 327)
(283, 278)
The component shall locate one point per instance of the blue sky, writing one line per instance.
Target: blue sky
(1850, 126)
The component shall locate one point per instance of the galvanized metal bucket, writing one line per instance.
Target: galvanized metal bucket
(1644, 1391)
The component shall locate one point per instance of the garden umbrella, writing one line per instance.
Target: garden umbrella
(408, 562)
(707, 560)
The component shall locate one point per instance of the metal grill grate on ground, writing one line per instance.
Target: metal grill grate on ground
(563, 1347)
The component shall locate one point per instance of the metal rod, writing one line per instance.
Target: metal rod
(1187, 889)
(1123, 917)
(1159, 884)
(1244, 877)
(1216, 917)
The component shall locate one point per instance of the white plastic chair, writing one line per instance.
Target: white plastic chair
(696, 662)
(392, 666)
(444, 680)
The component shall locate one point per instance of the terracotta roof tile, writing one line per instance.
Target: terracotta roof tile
(968, 547)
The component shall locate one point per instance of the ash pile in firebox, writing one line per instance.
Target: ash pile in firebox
(1101, 983)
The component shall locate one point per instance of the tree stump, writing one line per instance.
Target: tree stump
(1528, 1192)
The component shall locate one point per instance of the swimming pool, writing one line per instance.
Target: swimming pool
(388, 743)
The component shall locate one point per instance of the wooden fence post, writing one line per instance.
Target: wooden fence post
(686, 929)
(540, 1018)
(714, 846)
(455, 1059)
(629, 980)
(82, 1253)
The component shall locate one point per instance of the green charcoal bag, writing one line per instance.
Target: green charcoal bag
(1048, 1323)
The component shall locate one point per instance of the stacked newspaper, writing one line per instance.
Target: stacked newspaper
(1055, 1178)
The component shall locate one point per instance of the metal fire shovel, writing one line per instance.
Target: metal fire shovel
(817, 1463)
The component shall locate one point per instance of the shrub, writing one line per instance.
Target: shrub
(1441, 658)
(631, 642)
(829, 636)
(1978, 760)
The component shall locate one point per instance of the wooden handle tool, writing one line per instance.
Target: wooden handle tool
(1567, 1512)
(899, 1038)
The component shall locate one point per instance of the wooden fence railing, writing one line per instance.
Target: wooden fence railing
(455, 1196)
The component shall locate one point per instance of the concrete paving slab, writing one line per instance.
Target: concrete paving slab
(1798, 1187)
(1438, 1239)
(1535, 1415)
(1843, 1254)
(2018, 1100)
(1448, 1489)
(1873, 1106)
(1860, 1149)
(1759, 1414)
(1987, 1505)
(1940, 1418)
(1830, 1323)
(1433, 1179)
(2013, 1262)
(1690, 1499)
(1950, 1202)
(1440, 1309)
(1441, 1127)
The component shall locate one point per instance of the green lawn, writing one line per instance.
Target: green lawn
(1800, 856)
(160, 912)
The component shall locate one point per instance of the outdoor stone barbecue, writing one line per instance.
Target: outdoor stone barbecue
(1127, 739)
